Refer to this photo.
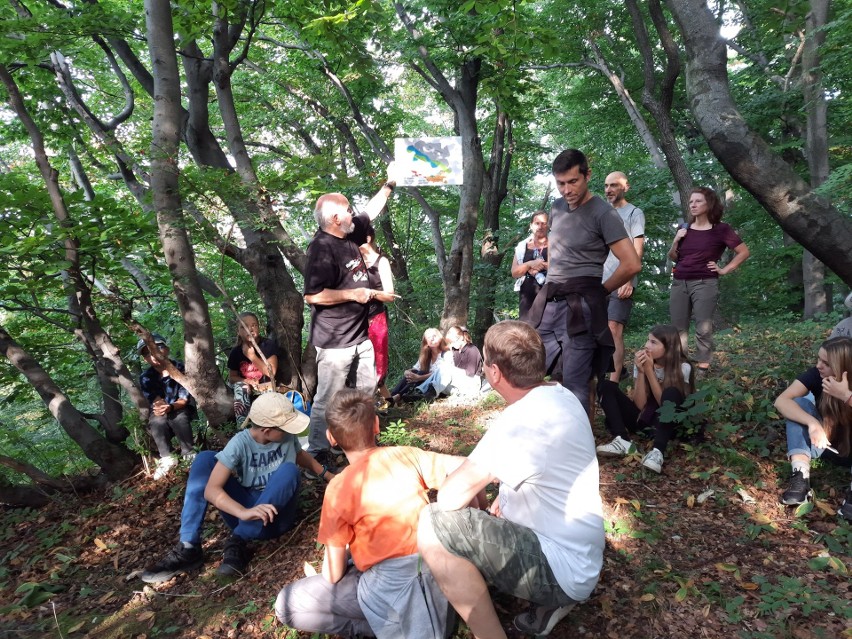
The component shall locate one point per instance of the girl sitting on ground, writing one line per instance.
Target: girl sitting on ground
(460, 375)
(662, 374)
(432, 347)
(820, 426)
(247, 371)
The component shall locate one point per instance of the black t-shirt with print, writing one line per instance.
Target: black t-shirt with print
(336, 263)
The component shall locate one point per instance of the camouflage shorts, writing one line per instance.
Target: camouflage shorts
(508, 555)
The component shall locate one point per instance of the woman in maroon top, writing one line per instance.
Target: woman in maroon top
(696, 250)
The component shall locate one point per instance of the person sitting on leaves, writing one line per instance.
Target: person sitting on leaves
(172, 407)
(371, 512)
(253, 482)
(249, 371)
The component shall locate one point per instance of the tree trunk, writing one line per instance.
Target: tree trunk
(816, 144)
(203, 379)
(809, 218)
(494, 193)
(114, 459)
(459, 267)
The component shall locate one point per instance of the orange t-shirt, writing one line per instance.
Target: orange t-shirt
(374, 505)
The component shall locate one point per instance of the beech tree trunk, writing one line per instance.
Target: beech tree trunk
(816, 144)
(809, 218)
(202, 375)
(116, 461)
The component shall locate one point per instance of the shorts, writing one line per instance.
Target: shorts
(508, 555)
(618, 310)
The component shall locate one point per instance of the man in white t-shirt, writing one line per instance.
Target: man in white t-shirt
(620, 301)
(543, 538)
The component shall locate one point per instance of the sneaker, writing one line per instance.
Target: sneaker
(653, 460)
(618, 447)
(845, 509)
(539, 620)
(164, 466)
(798, 490)
(236, 558)
(179, 559)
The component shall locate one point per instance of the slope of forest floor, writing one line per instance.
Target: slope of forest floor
(678, 563)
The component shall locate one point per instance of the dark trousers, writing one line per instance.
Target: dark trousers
(622, 415)
(179, 424)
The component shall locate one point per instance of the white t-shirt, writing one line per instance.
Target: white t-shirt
(542, 450)
(685, 368)
(634, 224)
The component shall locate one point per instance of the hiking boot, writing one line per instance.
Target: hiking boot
(539, 620)
(236, 558)
(653, 460)
(179, 559)
(798, 490)
(164, 466)
(845, 509)
(618, 447)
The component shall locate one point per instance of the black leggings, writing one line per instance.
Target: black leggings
(622, 415)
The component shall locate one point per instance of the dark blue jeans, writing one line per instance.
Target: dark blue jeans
(282, 491)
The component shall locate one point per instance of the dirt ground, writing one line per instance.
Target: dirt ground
(678, 563)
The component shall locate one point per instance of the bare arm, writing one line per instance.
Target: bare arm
(628, 266)
(462, 486)
(378, 202)
(741, 254)
(677, 238)
(626, 289)
(216, 495)
(306, 460)
(789, 409)
(334, 563)
(332, 297)
(386, 294)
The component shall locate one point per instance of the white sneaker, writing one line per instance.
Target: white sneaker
(164, 465)
(618, 447)
(653, 460)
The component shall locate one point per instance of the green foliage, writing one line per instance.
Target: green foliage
(396, 434)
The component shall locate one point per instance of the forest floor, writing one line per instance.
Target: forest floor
(677, 563)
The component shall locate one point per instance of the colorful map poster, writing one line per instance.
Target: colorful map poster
(428, 161)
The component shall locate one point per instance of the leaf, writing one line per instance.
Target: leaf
(681, 594)
(761, 519)
(804, 509)
(690, 501)
(100, 543)
(145, 616)
(727, 567)
(825, 507)
(818, 563)
(837, 565)
(749, 585)
(705, 496)
(636, 504)
(76, 627)
(648, 596)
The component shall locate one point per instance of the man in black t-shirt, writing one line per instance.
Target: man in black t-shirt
(336, 288)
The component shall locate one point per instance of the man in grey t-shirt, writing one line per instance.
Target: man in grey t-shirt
(584, 229)
(620, 302)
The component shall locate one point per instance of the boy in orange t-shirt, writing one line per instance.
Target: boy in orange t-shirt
(370, 511)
